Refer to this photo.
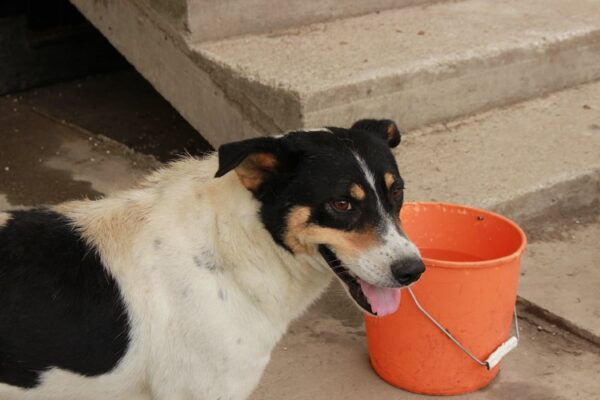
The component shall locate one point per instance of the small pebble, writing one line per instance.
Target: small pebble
(6, 168)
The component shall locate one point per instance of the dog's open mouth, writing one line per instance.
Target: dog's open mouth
(372, 299)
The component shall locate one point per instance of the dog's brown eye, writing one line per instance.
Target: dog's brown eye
(341, 205)
(397, 192)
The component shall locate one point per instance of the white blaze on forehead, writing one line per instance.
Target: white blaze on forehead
(325, 130)
(370, 178)
(4, 217)
(374, 265)
(368, 174)
(308, 130)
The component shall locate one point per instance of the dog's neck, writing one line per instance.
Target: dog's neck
(282, 283)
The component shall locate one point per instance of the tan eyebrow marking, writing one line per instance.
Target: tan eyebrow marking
(389, 179)
(357, 192)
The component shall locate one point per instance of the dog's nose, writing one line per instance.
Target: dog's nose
(408, 270)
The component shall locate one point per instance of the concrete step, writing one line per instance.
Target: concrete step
(523, 160)
(418, 65)
(202, 20)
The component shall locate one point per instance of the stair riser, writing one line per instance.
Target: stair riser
(443, 93)
(203, 20)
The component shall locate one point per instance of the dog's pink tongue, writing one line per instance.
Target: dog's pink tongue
(383, 301)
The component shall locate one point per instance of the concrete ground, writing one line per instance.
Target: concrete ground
(54, 146)
(324, 356)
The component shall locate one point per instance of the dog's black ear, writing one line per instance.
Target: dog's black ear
(386, 128)
(252, 159)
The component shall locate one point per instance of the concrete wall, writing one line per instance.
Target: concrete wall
(33, 58)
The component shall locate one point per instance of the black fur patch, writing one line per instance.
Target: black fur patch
(58, 305)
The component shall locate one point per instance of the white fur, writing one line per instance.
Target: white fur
(4, 217)
(373, 265)
(208, 291)
(311, 130)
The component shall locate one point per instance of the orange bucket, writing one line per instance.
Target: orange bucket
(469, 289)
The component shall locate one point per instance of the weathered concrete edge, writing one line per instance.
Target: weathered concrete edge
(571, 194)
(579, 192)
(445, 89)
(562, 323)
(205, 25)
(254, 97)
(163, 58)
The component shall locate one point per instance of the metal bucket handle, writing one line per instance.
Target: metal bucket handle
(494, 358)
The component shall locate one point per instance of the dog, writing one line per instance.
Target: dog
(181, 287)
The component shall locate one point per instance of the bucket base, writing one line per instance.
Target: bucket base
(458, 389)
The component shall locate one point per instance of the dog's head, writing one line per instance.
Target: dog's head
(334, 193)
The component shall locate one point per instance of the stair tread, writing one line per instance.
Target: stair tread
(375, 48)
(496, 157)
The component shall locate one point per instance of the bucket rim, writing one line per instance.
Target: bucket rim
(436, 263)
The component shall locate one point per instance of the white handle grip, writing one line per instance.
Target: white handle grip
(501, 351)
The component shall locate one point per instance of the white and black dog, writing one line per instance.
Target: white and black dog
(181, 287)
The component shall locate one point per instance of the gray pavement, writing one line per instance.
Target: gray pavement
(46, 161)
(50, 153)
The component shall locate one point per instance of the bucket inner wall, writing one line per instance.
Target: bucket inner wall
(444, 232)
(472, 262)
